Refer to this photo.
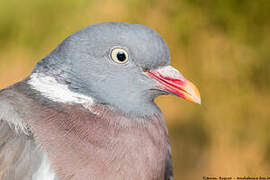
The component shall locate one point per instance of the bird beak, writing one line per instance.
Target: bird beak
(172, 81)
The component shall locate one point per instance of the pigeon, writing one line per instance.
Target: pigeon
(87, 110)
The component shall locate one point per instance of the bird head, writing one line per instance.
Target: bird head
(119, 64)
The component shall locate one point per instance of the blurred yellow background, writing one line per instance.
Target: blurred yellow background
(222, 46)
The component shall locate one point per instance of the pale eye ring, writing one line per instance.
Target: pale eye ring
(119, 55)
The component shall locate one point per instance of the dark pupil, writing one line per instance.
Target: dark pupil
(121, 56)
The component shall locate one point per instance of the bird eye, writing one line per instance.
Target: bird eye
(119, 55)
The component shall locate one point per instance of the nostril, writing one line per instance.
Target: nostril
(146, 69)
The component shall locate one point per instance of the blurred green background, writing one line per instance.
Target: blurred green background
(220, 45)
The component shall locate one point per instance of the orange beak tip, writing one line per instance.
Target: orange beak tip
(191, 93)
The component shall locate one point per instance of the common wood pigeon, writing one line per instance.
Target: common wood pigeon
(87, 110)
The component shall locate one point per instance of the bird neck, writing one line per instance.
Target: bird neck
(51, 86)
(95, 142)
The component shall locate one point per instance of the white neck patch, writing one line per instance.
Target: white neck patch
(50, 88)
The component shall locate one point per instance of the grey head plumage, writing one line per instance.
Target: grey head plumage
(84, 62)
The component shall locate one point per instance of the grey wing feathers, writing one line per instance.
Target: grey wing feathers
(19, 155)
(168, 166)
(8, 113)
